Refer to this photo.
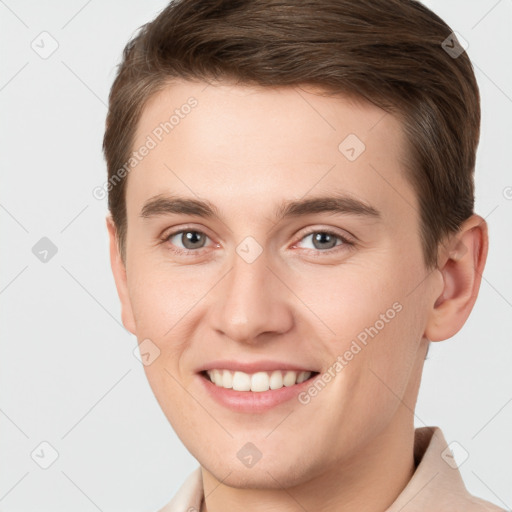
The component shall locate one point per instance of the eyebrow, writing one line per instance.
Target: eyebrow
(336, 203)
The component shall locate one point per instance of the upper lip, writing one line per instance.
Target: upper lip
(253, 366)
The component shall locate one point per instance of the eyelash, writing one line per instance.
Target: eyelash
(346, 243)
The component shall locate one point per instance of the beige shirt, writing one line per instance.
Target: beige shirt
(436, 485)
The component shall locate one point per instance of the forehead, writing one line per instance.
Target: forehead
(234, 144)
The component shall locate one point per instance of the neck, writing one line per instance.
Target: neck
(371, 481)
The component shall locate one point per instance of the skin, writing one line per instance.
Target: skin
(246, 150)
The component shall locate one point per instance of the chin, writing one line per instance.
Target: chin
(281, 472)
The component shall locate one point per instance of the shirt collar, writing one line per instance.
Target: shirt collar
(435, 485)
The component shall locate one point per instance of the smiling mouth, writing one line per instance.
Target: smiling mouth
(256, 382)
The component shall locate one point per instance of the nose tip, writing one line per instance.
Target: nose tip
(251, 303)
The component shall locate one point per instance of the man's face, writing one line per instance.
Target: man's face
(260, 287)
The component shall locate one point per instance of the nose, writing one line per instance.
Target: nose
(251, 303)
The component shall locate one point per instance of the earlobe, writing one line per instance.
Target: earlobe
(461, 269)
(120, 278)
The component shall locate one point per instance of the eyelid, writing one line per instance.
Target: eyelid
(343, 235)
(172, 232)
(348, 240)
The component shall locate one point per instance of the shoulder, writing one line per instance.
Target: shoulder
(473, 504)
(487, 506)
(437, 483)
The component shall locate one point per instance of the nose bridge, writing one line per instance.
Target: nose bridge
(250, 301)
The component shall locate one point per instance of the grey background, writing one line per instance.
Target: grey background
(68, 375)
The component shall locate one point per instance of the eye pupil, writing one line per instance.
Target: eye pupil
(322, 238)
(192, 239)
(196, 240)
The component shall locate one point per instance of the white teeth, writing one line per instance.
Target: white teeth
(256, 382)
(303, 376)
(217, 377)
(227, 379)
(241, 381)
(276, 380)
(260, 381)
(290, 378)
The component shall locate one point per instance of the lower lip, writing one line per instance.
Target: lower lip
(253, 401)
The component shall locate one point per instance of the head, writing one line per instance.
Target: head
(266, 129)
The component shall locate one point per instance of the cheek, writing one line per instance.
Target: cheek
(164, 303)
(378, 325)
(373, 379)
(355, 301)
(185, 414)
(162, 295)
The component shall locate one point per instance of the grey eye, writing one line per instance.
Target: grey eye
(322, 240)
(189, 239)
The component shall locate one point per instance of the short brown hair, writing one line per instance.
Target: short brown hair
(393, 53)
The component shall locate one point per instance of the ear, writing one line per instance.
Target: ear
(461, 265)
(119, 271)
